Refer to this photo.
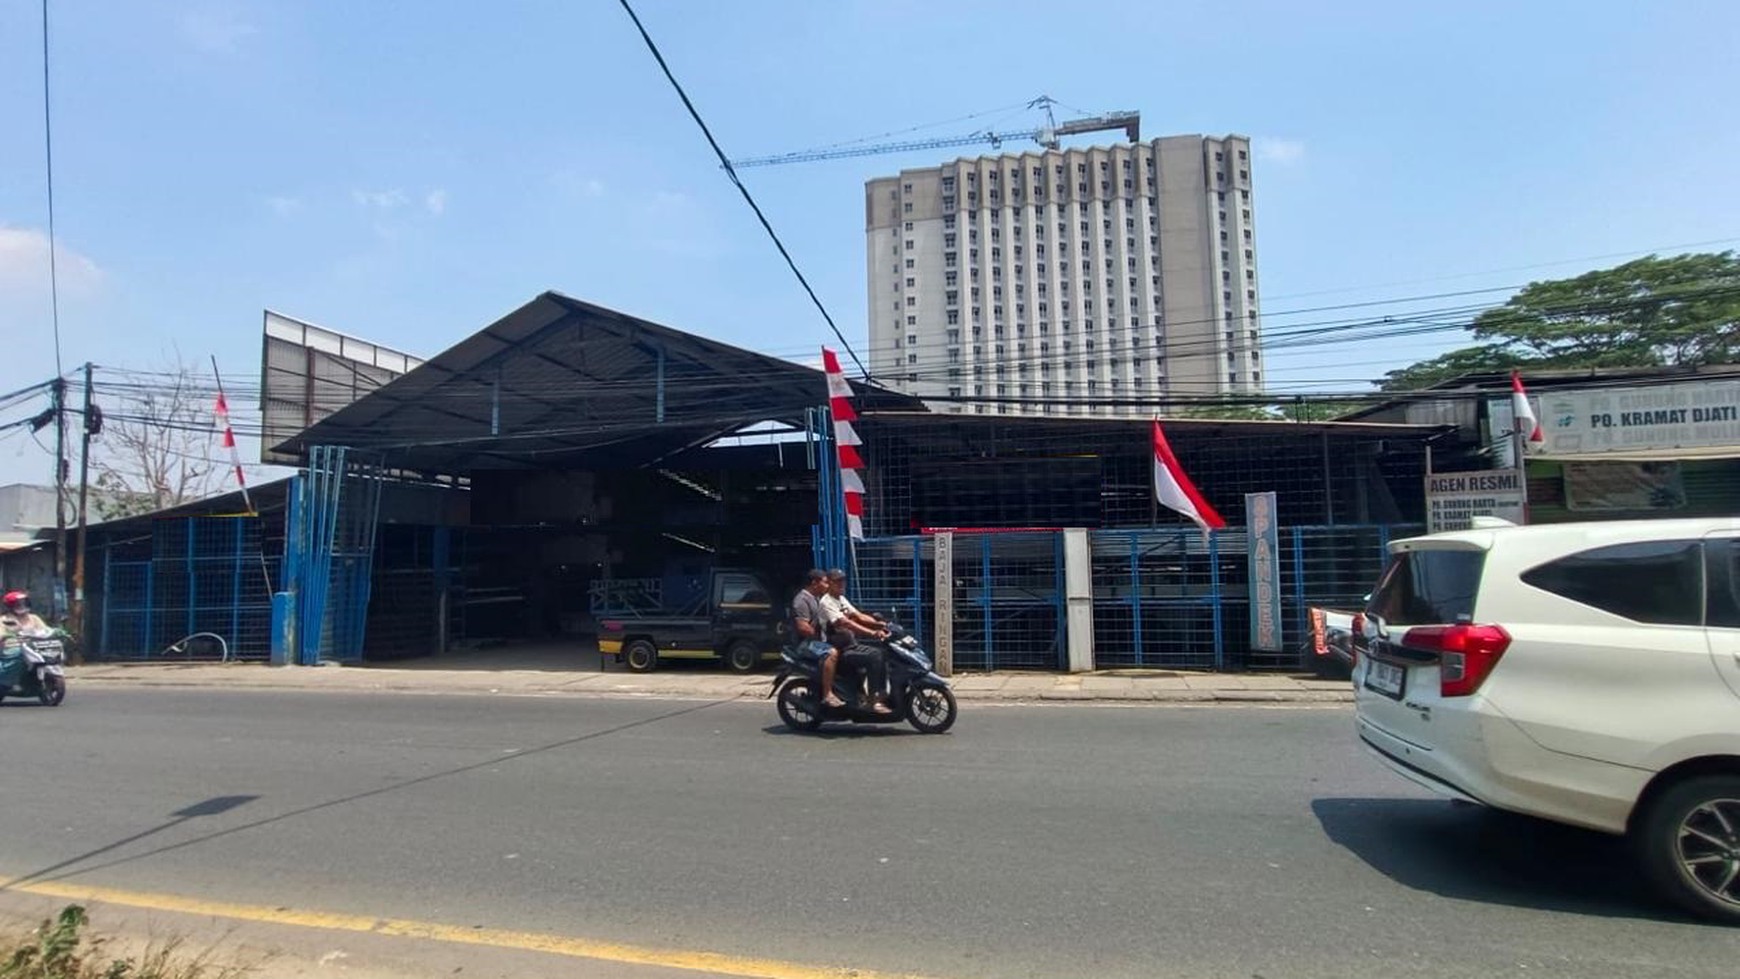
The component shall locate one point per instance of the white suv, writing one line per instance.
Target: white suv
(1585, 673)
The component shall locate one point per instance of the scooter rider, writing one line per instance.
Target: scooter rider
(810, 620)
(18, 618)
(847, 624)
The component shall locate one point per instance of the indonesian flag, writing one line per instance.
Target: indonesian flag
(846, 441)
(1522, 413)
(1174, 489)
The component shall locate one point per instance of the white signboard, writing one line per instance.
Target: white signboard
(1692, 415)
(1453, 500)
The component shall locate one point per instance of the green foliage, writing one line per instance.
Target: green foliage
(58, 950)
(1468, 360)
(1681, 310)
(1297, 410)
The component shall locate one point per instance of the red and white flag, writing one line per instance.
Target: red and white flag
(223, 419)
(1174, 489)
(846, 441)
(1523, 415)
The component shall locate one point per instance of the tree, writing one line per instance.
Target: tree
(1468, 360)
(1300, 409)
(158, 447)
(1682, 310)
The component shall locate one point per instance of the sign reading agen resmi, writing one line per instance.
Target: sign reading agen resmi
(1693, 415)
(1453, 500)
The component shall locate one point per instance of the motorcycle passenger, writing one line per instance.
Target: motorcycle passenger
(846, 624)
(18, 619)
(810, 619)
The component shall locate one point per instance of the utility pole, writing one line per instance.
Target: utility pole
(60, 475)
(78, 601)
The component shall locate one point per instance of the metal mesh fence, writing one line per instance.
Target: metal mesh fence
(929, 471)
(196, 587)
(1157, 598)
(1162, 598)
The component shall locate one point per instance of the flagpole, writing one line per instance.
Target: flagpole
(236, 460)
(1153, 492)
(1522, 472)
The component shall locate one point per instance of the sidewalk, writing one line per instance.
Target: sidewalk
(1123, 686)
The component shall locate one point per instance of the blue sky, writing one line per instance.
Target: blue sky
(408, 172)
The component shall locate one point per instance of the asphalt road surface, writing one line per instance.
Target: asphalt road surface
(1032, 841)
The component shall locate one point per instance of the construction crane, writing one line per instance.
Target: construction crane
(1046, 136)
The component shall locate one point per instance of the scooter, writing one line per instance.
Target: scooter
(33, 666)
(916, 694)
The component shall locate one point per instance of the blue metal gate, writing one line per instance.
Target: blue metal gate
(1163, 598)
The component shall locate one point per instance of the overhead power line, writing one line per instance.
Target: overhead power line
(731, 172)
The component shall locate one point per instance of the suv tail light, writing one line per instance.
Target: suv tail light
(1355, 636)
(1466, 653)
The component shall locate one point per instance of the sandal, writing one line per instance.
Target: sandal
(832, 701)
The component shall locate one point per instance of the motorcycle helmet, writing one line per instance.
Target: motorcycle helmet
(17, 601)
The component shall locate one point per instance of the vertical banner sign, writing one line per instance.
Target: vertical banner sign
(1262, 549)
(944, 582)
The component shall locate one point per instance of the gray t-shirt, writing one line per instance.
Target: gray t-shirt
(806, 607)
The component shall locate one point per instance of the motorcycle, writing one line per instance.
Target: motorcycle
(916, 694)
(33, 666)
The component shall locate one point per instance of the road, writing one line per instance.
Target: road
(1033, 841)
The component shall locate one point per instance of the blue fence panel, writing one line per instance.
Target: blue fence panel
(204, 592)
(1164, 598)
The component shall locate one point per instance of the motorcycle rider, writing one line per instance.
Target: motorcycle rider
(810, 619)
(846, 625)
(18, 619)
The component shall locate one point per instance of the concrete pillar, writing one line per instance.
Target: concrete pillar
(1078, 586)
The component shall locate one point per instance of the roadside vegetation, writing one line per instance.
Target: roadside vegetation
(60, 949)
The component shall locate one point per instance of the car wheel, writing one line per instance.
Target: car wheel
(1688, 841)
(743, 657)
(641, 656)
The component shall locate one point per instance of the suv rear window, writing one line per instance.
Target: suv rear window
(1659, 582)
(1428, 587)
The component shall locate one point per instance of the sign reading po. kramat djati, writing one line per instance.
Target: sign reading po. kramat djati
(1453, 500)
(1683, 415)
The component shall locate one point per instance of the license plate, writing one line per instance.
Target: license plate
(1386, 678)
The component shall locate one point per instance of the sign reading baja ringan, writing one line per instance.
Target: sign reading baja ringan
(1453, 500)
(1688, 415)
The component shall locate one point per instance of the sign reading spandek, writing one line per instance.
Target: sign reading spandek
(1262, 544)
(1453, 500)
(1690, 415)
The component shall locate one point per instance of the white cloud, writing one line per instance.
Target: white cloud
(1284, 152)
(386, 200)
(573, 184)
(436, 202)
(284, 206)
(24, 264)
(216, 31)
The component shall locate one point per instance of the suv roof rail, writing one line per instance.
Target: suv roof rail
(1485, 522)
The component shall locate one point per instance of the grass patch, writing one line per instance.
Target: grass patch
(59, 949)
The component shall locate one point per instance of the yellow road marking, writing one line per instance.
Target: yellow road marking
(579, 948)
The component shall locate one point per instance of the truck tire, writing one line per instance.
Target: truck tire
(743, 656)
(641, 656)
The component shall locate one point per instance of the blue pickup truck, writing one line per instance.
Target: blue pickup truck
(735, 619)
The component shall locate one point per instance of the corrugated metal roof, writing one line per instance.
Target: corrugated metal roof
(564, 382)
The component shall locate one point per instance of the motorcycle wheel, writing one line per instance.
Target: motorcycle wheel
(53, 691)
(797, 706)
(931, 709)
